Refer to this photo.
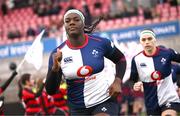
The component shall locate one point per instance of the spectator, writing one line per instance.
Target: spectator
(14, 33)
(3, 87)
(60, 98)
(28, 95)
(31, 32)
(4, 8)
(147, 13)
(173, 2)
(98, 4)
(46, 101)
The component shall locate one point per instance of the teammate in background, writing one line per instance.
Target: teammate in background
(177, 70)
(152, 67)
(28, 95)
(80, 59)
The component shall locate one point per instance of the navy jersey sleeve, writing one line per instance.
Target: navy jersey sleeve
(112, 53)
(177, 69)
(176, 73)
(134, 73)
(109, 48)
(175, 56)
(116, 56)
(53, 79)
(50, 63)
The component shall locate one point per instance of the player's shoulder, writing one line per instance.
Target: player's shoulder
(166, 51)
(59, 47)
(97, 38)
(138, 54)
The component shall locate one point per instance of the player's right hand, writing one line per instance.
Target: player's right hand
(57, 57)
(138, 86)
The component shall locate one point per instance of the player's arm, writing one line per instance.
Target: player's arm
(120, 62)
(39, 92)
(178, 75)
(134, 73)
(175, 55)
(54, 75)
(137, 85)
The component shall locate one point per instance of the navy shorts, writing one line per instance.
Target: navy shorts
(172, 105)
(110, 107)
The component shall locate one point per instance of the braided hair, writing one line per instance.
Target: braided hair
(91, 28)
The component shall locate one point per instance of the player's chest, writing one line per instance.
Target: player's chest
(150, 64)
(78, 61)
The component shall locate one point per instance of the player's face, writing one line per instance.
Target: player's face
(148, 42)
(73, 24)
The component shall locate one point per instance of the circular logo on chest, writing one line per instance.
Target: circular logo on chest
(84, 71)
(156, 75)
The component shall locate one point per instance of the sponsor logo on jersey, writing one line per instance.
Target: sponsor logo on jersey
(168, 105)
(95, 53)
(68, 59)
(104, 109)
(90, 78)
(163, 60)
(84, 71)
(156, 75)
(143, 65)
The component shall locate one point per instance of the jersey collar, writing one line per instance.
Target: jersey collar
(79, 47)
(155, 54)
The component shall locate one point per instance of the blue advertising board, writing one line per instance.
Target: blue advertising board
(162, 30)
(19, 49)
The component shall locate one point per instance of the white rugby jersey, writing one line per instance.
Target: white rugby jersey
(83, 69)
(155, 73)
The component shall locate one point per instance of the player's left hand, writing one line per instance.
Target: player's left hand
(115, 89)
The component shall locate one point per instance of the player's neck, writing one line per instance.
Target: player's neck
(77, 41)
(151, 52)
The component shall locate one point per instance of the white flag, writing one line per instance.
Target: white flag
(34, 55)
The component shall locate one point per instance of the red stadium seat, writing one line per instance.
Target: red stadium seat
(173, 11)
(125, 22)
(133, 21)
(156, 20)
(102, 25)
(165, 12)
(166, 5)
(173, 18)
(16, 40)
(148, 21)
(117, 23)
(164, 19)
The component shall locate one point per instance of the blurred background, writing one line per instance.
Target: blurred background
(22, 20)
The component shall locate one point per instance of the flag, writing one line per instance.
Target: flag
(34, 55)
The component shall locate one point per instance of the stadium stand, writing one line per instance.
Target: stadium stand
(19, 20)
